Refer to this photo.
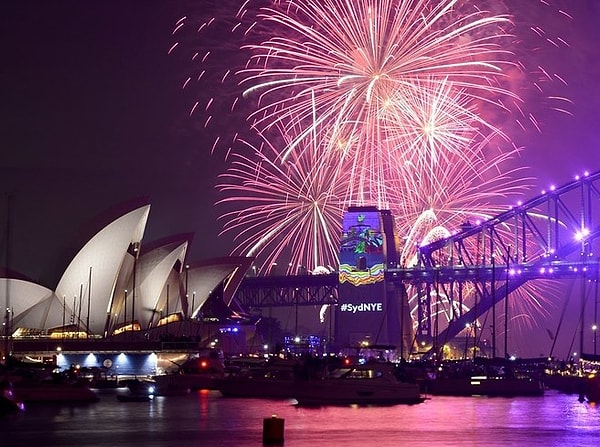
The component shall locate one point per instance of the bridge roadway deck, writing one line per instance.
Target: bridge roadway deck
(310, 290)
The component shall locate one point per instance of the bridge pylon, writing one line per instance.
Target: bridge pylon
(370, 310)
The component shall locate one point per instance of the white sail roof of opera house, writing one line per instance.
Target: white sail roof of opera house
(205, 276)
(97, 269)
(156, 280)
(31, 304)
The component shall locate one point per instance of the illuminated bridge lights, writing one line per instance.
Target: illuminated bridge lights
(582, 234)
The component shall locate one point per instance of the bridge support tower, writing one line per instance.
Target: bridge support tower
(370, 311)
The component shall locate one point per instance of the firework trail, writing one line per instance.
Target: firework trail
(453, 193)
(408, 105)
(287, 210)
(208, 42)
(350, 62)
(466, 190)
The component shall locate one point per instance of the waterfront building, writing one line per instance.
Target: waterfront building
(118, 295)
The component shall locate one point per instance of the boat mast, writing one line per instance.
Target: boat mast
(7, 316)
(582, 313)
(493, 292)
(506, 304)
(595, 325)
(89, 300)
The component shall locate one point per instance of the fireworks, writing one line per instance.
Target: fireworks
(292, 208)
(407, 105)
(403, 99)
(358, 60)
(391, 82)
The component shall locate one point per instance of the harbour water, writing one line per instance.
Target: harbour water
(208, 419)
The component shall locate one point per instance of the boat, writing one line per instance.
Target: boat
(590, 389)
(269, 380)
(484, 377)
(371, 383)
(140, 386)
(565, 377)
(99, 378)
(48, 384)
(139, 390)
(54, 392)
(200, 371)
(261, 383)
(177, 384)
(483, 385)
(131, 397)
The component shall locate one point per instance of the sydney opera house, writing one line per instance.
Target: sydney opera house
(118, 293)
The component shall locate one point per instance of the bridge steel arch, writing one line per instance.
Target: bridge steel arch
(552, 236)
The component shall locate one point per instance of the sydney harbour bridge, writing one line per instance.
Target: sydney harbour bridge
(553, 235)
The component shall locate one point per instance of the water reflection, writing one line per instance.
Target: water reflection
(206, 418)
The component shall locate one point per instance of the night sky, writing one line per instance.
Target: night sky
(93, 115)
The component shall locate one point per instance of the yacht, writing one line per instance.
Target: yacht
(32, 383)
(268, 379)
(200, 371)
(485, 377)
(370, 383)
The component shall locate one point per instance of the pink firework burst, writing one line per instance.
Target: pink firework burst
(291, 210)
(410, 105)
